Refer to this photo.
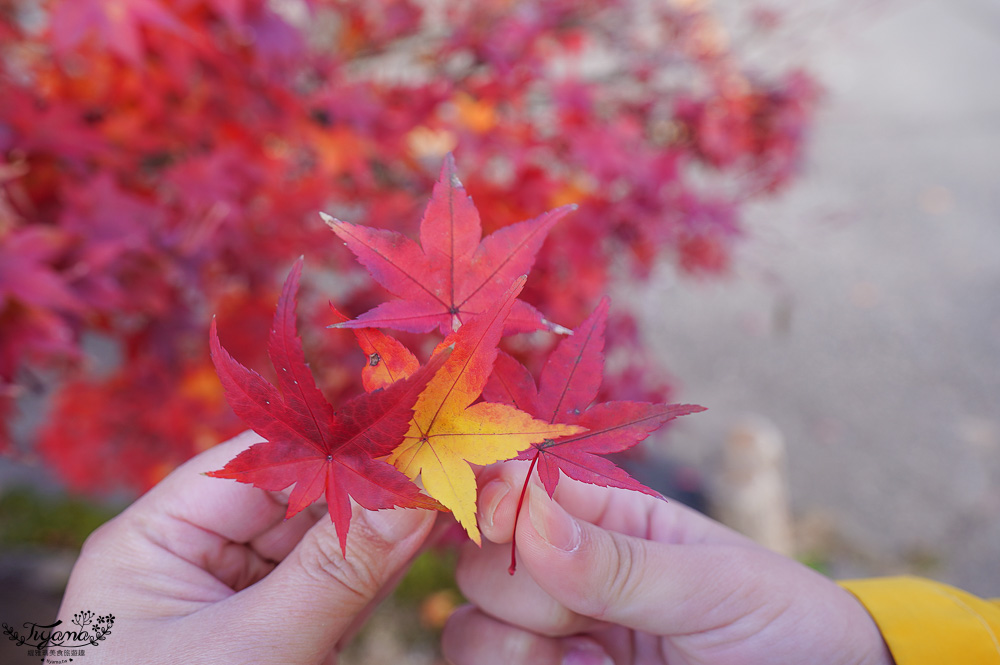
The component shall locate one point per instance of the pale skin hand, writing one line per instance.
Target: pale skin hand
(203, 570)
(610, 576)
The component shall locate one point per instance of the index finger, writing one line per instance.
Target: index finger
(621, 511)
(234, 511)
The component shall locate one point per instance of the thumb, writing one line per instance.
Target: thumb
(709, 598)
(317, 596)
(656, 587)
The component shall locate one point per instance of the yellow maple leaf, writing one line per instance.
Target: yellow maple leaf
(448, 432)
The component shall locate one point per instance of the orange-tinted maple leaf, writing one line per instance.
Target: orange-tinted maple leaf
(448, 432)
(307, 442)
(454, 272)
(387, 360)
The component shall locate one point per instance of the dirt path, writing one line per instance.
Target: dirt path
(864, 320)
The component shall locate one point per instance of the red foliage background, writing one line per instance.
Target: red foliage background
(162, 161)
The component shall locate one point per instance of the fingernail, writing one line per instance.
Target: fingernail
(490, 498)
(585, 652)
(553, 523)
(395, 524)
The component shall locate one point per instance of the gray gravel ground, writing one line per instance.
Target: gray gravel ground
(864, 318)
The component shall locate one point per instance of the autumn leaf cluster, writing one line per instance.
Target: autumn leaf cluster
(160, 160)
(431, 423)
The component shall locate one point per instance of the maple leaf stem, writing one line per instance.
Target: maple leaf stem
(517, 515)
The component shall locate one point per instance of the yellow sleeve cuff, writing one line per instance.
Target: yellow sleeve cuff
(928, 623)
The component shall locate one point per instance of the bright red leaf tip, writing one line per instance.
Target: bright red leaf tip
(308, 443)
(454, 272)
(569, 384)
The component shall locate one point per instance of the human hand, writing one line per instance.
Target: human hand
(609, 576)
(201, 570)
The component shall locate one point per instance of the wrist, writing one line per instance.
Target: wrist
(873, 647)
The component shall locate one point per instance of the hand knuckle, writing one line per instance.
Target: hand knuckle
(627, 563)
(356, 574)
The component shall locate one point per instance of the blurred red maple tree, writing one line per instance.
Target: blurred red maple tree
(163, 160)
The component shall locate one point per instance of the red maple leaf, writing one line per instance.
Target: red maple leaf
(569, 384)
(308, 443)
(115, 23)
(454, 272)
(27, 274)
